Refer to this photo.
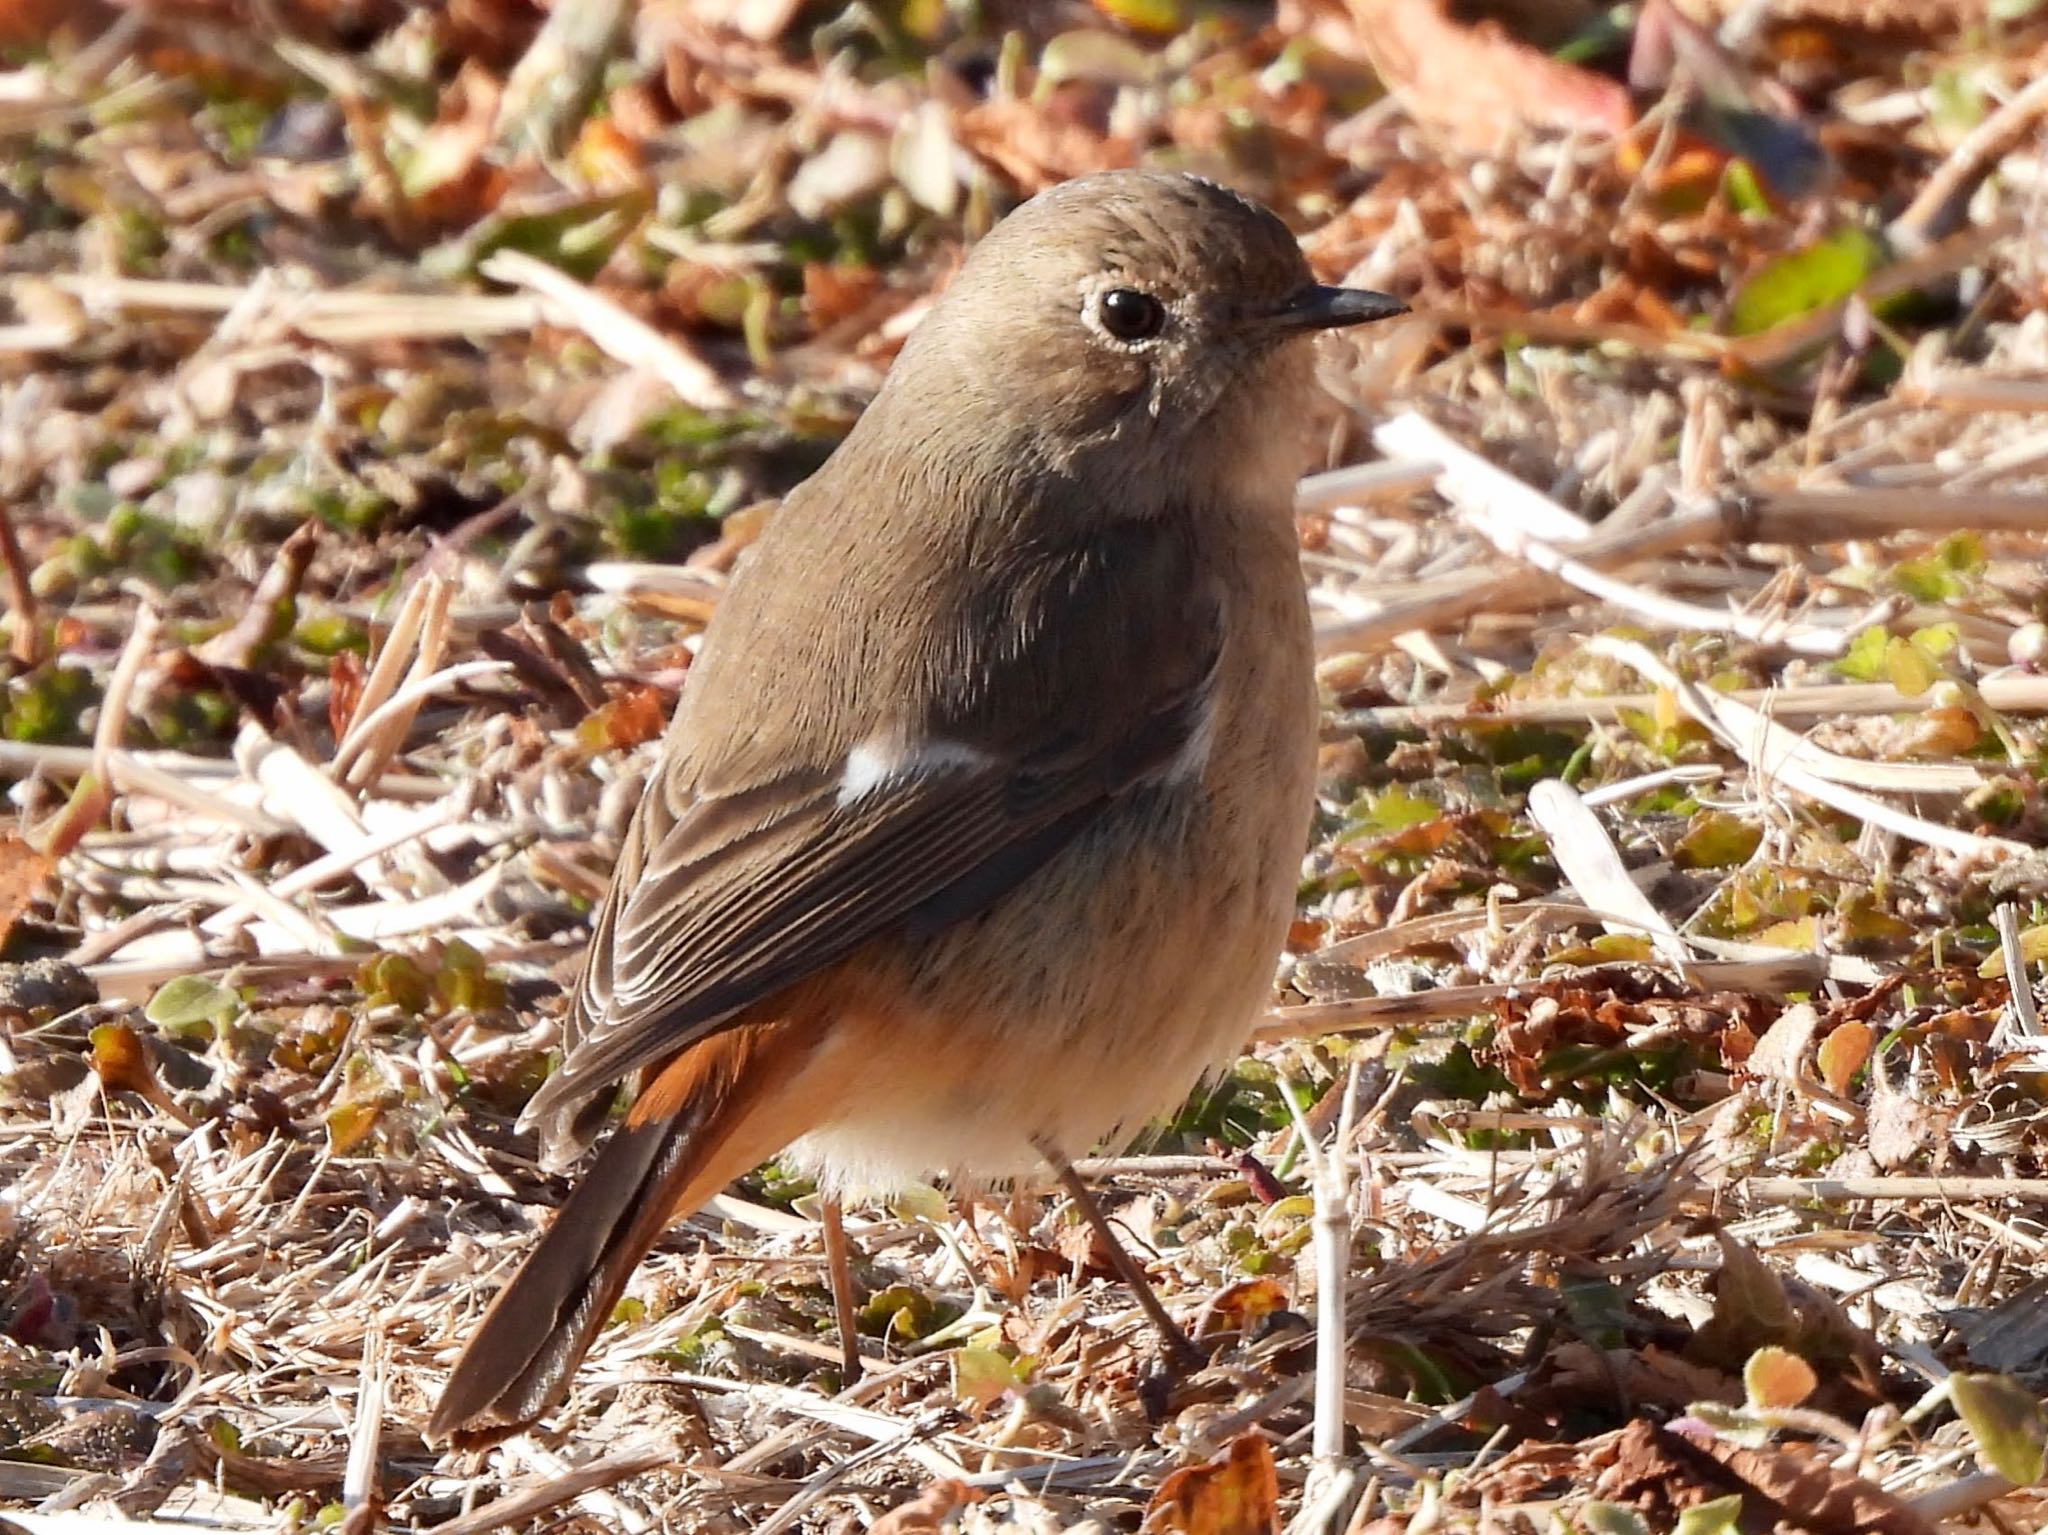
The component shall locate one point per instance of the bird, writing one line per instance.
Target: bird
(974, 840)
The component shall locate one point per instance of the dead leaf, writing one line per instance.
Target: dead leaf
(344, 690)
(1900, 1126)
(1776, 1377)
(1843, 1053)
(1242, 1306)
(1804, 1491)
(928, 1511)
(1477, 86)
(1781, 1054)
(121, 1060)
(87, 807)
(639, 713)
(1235, 1492)
(22, 870)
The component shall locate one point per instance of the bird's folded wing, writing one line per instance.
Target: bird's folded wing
(728, 899)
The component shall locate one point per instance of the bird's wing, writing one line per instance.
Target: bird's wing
(1098, 678)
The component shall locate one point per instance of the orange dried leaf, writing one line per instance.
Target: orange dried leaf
(344, 690)
(1843, 1053)
(606, 159)
(121, 1061)
(640, 713)
(834, 290)
(22, 869)
(1776, 1377)
(927, 1513)
(350, 1124)
(1242, 1306)
(1237, 1492)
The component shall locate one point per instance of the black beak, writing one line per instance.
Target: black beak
(1323, 308)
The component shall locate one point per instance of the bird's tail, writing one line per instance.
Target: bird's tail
(694, 1128)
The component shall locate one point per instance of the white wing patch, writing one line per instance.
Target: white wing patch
(885, 759)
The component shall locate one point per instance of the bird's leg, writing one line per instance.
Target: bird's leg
(1186, 1354)
(839, 1265)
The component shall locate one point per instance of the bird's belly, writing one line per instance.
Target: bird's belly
(1085, 1003)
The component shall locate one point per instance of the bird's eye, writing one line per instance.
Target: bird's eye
(1129, 315)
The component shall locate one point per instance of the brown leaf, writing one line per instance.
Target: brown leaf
(926, 1513)
(1843, 1053)
(1476, 85)
(1781, 1054)
(833, 290)
(344, 690)
(1900, 1126)
(121, 1060)
(1035, 144)
(1806, 1492)
(22, 869)
(1236, 1492)
(86, 808)
(640, 713)
(1751, 1307)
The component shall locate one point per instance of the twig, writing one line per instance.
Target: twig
(360, 1499)
(1361, 483)
(25, 642)
(1945, 195)
(1840, 1190)
(1444, 1003)
(1801, 516)
(1592, 864)
(392, 657)
(1494, 501)
(622, 336)
(296, 791)
(1329, 1481)
(1764, 746)
(2013, 694)
(377, 732)
(2018, 980)
(551, 1492)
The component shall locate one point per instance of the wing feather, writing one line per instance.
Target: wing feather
(728, 898)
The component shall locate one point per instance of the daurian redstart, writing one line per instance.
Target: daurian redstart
(978, 826)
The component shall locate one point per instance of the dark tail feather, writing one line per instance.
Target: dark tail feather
(542, 1324)
(676, 1149)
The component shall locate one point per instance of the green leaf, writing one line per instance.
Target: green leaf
(1611, 1519)
(1864, 659)
(398, 980)
(1909, 668)
(898, 1312)
(1396, 809)
(192, 1005)
(1797, 284)
(1597, 1309)
(984, 1377)
(1716, 839)
(1745, 194)
(921, 1202)
(2008, 1423)
(1723, 1516)
(2033, 949)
